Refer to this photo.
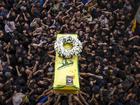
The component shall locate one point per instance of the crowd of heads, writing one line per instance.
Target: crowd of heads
(28, 30)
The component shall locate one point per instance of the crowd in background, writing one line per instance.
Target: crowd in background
(109, 64)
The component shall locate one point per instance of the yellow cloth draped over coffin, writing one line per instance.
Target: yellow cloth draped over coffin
(66, 77)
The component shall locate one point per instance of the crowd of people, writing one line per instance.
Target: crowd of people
(109, 64)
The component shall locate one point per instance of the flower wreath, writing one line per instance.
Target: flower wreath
(68, 53)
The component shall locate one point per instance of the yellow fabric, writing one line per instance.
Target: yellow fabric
(134, 25)
(65, 70)
(90, 5)
(25, 99)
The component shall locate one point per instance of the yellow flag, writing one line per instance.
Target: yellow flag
(134, 25)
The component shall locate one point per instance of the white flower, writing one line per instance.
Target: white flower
(67, 53)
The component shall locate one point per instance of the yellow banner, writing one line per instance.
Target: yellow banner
(66, 77)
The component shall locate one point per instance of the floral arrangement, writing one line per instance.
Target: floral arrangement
(68, 53)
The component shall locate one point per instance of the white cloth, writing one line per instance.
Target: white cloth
(17, 98)
(10, 27)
